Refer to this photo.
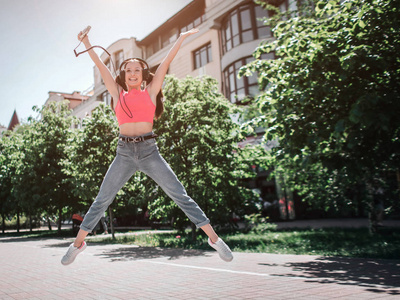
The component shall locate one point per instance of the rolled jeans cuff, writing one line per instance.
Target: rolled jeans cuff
(85, 229)
(206, 222)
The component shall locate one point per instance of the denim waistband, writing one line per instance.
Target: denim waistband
(134, 136)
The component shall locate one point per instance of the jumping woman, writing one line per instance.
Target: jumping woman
(138, 94)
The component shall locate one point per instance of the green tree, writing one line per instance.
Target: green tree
(200, 141)
(40, 184)
(90, 155)
(331, 98)
(10, 155)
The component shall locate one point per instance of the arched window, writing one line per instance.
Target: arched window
(243, 25)
(236, 89)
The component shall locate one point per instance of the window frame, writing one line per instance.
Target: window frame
(230, 39)
(193, 24)
(247, 83)
(197, 53)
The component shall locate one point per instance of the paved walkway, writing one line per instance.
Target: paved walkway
(31, 269)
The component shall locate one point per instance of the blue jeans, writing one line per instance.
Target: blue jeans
(141, 156)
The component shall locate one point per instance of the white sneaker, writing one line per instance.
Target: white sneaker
(72, 252)
(223, 250)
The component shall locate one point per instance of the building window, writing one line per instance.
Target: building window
(202, 56)
(106, 98)
(242, 25)
(195, 23)
(236, 89)
(171, 36)
(119, 58)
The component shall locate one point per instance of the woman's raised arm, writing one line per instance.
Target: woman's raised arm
(105, 73)
(156, 84)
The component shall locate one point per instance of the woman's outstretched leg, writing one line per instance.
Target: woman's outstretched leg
(210, 233)
(80, 237)
(117, 175)
(158, 169)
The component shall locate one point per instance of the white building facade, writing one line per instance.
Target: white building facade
(229, 33)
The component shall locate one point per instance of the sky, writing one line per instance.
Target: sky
(38, 37)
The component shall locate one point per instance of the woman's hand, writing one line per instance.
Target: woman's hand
(82, 38)
(155, 86)
(83, 34)
(190, 32)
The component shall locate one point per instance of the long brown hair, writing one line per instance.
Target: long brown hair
(159, 100)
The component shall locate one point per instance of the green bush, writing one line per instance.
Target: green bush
(258, 224)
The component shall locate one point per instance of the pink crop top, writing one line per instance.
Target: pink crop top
(135, 106)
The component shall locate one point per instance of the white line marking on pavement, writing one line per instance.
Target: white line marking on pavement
(212, 269)
(269, 275)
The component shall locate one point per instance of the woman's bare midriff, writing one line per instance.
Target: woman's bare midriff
(135, 129)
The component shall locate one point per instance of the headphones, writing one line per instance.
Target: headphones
(145, 71)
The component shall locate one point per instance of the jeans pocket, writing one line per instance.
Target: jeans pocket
(121, 144)
(149, 142)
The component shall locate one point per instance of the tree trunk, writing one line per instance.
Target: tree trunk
(111, 222)
(375, 204)
(30, 222)
(18, 221)
(3, 223)
(194, 232)
(59, 221)
(357, 199)
(48, 222)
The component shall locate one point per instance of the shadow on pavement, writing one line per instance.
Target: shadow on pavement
(376, 275)
(135, 253)
(116, 253)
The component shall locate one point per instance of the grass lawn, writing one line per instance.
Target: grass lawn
(350, 242)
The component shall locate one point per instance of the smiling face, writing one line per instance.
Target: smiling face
(133, 75)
